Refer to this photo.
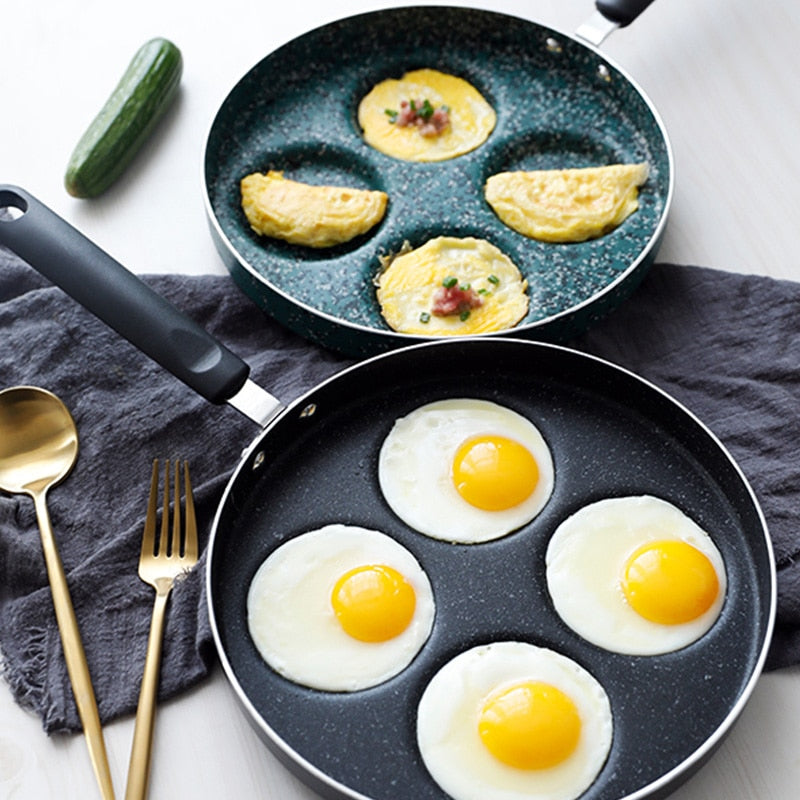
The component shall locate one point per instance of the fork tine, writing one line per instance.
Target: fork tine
(190, 543)
(163, 538)
(149, 535)
(175, 546)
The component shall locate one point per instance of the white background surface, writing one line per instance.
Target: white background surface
(723, 75)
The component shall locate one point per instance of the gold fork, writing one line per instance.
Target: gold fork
(160, 563)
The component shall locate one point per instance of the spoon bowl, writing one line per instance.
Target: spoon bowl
(38, 448)
(39, 444)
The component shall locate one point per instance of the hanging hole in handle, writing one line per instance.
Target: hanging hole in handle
(12, 206)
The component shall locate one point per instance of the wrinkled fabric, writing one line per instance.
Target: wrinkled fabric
(724, 345)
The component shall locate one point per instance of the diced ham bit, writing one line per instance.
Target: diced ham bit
(436, 124)
(429, 121)
(455, 300)
(407, 115)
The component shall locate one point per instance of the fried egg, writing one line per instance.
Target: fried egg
(465, 470)
(515, 721)
(470, 119)
(409, 289)
(340, 608)
(635, 575)
(305, 214)
(566, 205)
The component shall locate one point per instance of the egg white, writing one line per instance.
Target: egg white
(294, 627)
(415, 469)
(448, 716)
(586, 558)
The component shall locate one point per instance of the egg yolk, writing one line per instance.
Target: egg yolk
(670, 582)
(373, 603)
(530, 725)
(494, 473)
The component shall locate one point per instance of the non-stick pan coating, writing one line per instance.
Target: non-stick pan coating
(610, 434)
(559, 104)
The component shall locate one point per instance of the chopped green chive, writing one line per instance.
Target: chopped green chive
(493, 279)
(464, 316)
(392, 114)
(426, 112)
(424, 317)
(449, 282)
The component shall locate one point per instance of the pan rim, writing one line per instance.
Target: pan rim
(317, 778)
(384, 338)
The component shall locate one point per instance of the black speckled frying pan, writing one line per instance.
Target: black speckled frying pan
(559, 103)
(610, 434)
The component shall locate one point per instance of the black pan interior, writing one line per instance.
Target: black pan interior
(610, 434)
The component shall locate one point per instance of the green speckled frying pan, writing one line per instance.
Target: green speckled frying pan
(559, 103)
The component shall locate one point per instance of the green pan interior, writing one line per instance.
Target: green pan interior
(558, 103)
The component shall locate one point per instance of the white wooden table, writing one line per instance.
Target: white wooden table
(723, 75)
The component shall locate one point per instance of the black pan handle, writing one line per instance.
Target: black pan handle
(116, 296)
(623, 12)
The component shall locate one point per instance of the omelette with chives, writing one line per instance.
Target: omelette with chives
(452, 286)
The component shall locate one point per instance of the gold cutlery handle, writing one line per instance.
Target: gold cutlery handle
(74, 655)
(141, 751)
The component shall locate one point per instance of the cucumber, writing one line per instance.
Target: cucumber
(140, 99)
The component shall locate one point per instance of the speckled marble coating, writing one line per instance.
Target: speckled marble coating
(610, 434)
(559, 104)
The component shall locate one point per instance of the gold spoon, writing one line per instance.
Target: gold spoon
(38, 447)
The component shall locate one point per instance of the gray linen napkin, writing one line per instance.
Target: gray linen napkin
(725, 345)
